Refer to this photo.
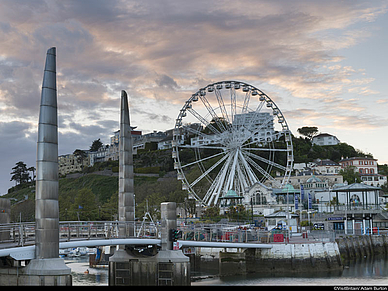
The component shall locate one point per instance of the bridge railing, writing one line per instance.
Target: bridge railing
(220, 233)
(23, 233)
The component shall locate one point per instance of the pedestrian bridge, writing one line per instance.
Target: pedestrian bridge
(17, 239)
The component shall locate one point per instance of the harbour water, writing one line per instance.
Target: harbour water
(83, 275)
(367, 272)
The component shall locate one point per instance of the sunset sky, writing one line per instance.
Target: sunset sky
(324, 63)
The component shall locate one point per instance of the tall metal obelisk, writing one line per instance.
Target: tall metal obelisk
(46, 204)
(126, 185)
(47, 262)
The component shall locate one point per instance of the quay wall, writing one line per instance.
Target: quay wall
(291, 258)
(359, 247)
(281, 259)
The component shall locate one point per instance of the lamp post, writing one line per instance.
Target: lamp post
(346, 216)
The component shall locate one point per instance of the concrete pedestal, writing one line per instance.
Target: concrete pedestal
(39, 272)
(167, 268)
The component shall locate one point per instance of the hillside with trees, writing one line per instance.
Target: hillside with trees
(93, 193)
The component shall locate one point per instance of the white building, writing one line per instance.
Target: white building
(325, 139)
(325, 167)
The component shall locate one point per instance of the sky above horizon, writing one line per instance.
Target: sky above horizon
(323, 63)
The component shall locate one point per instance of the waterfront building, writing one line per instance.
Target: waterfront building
(260, 199)
(264, 200)
(351, 209)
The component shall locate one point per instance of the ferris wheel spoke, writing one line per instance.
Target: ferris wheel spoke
(258, 130)
(197, 132)
(261, 170)
(203, 121)
(215, 189)
(265, 160)
(203, 147)
(221, 104)
(213, 114)
(255, 115)
(265, 149)
(209, 170)
(232, 103)
(241, 178)
(232, 172)
(246, 102)
(201, 160)
(248, 169)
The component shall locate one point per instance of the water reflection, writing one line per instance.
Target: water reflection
(83, 275)
(362, 272)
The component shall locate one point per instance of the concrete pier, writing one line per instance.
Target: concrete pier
(168, 267)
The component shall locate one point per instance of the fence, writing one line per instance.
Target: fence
(24, 233)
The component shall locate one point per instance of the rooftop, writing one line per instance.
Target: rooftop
(357, 158)
(356, 187)
(280, 214)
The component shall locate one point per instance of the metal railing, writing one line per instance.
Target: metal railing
(220, 233)
(20, 234)
(23, 233)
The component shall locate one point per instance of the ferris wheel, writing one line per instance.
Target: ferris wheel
(229, 136)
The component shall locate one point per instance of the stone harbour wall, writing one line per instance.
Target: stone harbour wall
(295, 258)
(358, 247)
(282, 258)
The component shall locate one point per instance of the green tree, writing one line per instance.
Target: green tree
(81, 156)
(20, 173)
(350, 175)
(211, 212)
(308, 131)
(109, 209)
(96, 145)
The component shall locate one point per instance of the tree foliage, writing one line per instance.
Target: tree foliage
(350, 175)
(96, 145)
(308, 131)
(20, 173)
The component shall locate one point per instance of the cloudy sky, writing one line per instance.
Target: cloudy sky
(324, 63)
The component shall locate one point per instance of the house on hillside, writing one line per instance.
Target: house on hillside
(326, 167)
(367, 169)
(325, 139)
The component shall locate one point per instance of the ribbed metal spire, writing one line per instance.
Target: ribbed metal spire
(46, 203)
(126, 186)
